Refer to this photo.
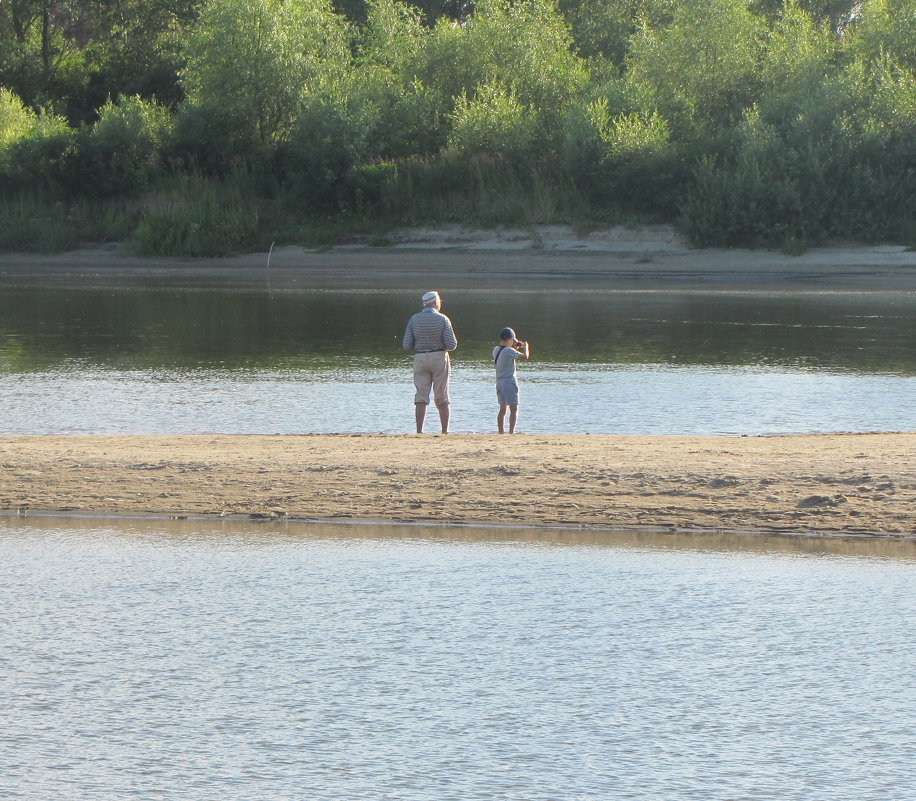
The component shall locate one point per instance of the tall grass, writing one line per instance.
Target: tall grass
(31, 222)
(483, 190)
(190, 215)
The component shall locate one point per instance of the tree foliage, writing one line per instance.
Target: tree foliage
(771, 122)
(75, 54)
(493, 122)
(119, 155)
(251, 62)
(701, 69)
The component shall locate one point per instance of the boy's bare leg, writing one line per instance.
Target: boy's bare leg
(500, 419)
(513, 418)
(421, 416)
(444, 413)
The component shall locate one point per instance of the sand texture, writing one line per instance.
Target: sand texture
(846, 484)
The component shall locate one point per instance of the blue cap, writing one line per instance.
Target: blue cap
(507, 333)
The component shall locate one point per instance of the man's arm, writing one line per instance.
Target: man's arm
(449, 340)
(408, 342)
(524, 348)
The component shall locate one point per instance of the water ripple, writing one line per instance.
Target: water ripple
(272, 666)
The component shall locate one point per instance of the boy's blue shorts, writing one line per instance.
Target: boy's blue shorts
(507, 391)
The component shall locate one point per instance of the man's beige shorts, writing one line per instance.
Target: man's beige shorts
(430, 372)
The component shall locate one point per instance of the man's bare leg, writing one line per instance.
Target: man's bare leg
(444, 413)
(513, 418)
(500, 419)
(420, 415)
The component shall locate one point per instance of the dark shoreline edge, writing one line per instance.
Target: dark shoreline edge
(265, 519)
(618, 266)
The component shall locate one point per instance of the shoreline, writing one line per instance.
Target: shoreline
(452, 257)
(827, 485)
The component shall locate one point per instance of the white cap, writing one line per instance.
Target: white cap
(430, 298)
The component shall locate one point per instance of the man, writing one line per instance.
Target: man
(430, 336)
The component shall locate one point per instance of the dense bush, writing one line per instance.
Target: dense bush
(15, 120)
(35, 148)
(494, 121)
(119, 155)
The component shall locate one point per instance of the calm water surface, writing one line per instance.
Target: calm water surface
(192, 660)
(82, 355)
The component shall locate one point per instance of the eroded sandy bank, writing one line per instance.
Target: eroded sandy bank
(649, 257)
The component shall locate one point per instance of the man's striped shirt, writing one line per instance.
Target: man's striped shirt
(429, 330)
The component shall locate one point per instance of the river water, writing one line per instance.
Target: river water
(158, 355)
(219, 660)
(202, 660)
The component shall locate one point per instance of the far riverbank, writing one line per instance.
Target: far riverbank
(642, 258)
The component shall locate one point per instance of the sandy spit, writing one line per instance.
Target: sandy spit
(821, 485)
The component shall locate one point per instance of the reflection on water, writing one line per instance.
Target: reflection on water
(238, 661)
(258, 532)
(131, 357)
(152, 327)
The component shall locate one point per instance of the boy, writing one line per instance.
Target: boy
(504, 355)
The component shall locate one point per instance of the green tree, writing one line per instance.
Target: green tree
(409, 114)
(623, 161)
(430, 11)
(250, 63)
(135, 49)
(701, 70)
(15, 119)
(75, 54)
(119, 155)
(34, 146)
(375, 110)
(494, 122)
(799, 71)
(601, 27)
(835, 14)
(884, 27)
(525, 46)
(605, 27)
(36, 52)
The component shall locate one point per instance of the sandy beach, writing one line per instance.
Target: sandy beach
(821, 485)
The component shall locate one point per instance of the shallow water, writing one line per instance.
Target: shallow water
(144, 659)
(561, 399)
(132, 356)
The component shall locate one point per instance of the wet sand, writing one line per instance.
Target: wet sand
(821, 485)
